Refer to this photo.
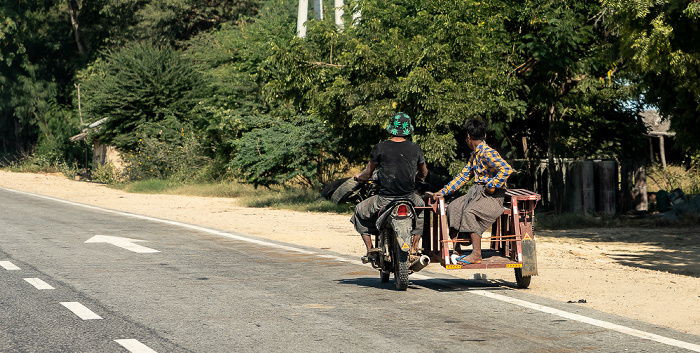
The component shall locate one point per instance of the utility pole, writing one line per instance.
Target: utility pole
(318, 9)
(302, 17)
(339, 14)
(303, 13)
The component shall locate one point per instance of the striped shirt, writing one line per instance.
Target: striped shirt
(486, 166)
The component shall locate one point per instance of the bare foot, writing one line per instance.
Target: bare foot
(458, 248)
(471, 259)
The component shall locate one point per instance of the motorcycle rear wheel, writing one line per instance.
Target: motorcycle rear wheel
(400, 260)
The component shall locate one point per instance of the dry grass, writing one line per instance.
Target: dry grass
(674, 177)
(289, 198)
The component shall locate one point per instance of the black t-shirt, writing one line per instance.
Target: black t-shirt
(397, 166)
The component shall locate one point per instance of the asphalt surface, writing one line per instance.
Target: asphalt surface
(212, 291)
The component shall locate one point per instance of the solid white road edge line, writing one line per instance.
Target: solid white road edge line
(546, 309)
(591, 321)
(38, 283)
(134, 346)
(81, 311)
(175, 223)
(9, 266)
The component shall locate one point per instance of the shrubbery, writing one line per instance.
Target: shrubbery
(277, 152)
(162, 152)
(139, 86)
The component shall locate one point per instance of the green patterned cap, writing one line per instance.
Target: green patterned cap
(400, 125)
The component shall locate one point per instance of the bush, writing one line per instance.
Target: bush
(162, 153)
(41, 164)
(277, 152)
(105, 173)
(138, 85)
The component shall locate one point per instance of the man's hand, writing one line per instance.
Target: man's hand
(365, 174)
(434, 196)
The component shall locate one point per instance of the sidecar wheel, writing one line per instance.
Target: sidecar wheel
(520, 280)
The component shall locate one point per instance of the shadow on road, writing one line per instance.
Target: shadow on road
(673, 250)
(440, 285)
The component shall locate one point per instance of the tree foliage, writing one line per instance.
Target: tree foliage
(275, 152)
(660, 45)
(551, 77)
(138, 86)
(234, 61)
(35, 71)
(535, 69)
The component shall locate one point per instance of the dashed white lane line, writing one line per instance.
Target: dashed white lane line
(9, 266)
(81, 311)
(134, 346)
(576, 317)
(38, 283)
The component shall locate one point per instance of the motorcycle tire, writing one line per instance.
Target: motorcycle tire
(344, 191)
(328, 190)
(400, 260)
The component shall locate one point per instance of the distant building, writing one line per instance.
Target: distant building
(101, 154)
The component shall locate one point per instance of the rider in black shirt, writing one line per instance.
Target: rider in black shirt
(399, 163)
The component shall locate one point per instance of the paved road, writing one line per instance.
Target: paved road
(185, 288)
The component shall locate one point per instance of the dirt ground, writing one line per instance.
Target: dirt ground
(649, 274)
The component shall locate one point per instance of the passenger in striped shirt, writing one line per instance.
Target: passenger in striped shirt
(470, 215)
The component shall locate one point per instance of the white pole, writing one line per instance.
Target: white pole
(318, 9)
(301, 18)
(339, 14)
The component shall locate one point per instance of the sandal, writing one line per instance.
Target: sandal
(460, 259)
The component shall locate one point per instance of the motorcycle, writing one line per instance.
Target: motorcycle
(395, 223)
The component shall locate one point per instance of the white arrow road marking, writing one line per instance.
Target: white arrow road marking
(39, 284)
(80, 310)
(9, 266)
(134, 346)
(126, 243)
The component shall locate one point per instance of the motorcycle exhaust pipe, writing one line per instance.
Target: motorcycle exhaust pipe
(419, 264)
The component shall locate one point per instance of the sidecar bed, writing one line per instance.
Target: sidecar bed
(512, 241)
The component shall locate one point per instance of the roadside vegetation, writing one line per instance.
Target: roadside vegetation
(303, 199)
(199, 94)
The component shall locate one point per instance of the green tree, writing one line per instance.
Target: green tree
(440, 62)
(574, 96)
(38, 59)
(139, 85)
(234, 59)
(166, 22)
(660, 46)
(276, 152)
(536, 69)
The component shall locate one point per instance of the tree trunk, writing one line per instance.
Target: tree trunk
(74, 11)
(662, 151)
(556, 174)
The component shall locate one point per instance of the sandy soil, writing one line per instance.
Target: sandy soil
(649, 274)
